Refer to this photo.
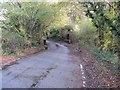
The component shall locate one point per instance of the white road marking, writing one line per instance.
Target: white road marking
(83, 85)
(83, 76)
(81, 66)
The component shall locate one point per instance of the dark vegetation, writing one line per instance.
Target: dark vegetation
(92, 25)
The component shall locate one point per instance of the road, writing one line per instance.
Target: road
(53, 68)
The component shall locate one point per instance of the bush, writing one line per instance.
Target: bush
(105, 56)
(13, 43)
(60, 33)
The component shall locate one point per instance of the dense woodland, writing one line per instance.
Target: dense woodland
(92, 25)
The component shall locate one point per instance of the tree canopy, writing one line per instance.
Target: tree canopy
(34, 21)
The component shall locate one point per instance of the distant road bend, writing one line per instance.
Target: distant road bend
(52, 68)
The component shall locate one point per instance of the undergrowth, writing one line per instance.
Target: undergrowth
(110, 59)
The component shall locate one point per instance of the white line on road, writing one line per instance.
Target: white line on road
(83, 76)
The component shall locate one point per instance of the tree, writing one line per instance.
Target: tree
(105, 17)
(30, 20)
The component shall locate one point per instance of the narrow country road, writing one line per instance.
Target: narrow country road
(52, 68)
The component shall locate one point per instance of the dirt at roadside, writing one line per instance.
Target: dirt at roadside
(95, 76)
(8, 60)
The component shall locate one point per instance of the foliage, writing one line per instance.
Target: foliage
(13, 43)
(105, 17)
(60, 33)
(29, 21)
(105, 56)
(87, 32)
(54, 34)
(68, 27)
